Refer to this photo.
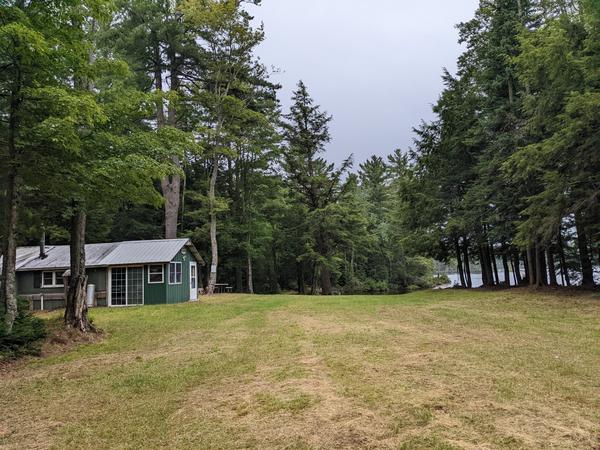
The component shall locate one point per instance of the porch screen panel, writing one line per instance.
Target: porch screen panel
(118, 288)
(135, 286)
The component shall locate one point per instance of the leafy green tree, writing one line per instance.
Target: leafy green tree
(227, 41)
(87, 140)
(155, 39)
(39, 48)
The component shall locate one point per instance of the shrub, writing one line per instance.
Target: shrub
(420, 272)
(26, 336)
(441, 280)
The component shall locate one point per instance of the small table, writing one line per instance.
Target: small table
(221, 288)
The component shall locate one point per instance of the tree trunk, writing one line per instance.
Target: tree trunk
(514, 270)
(487, 266)
(171, 186)
(531, 272)
(542, 258)
(564, 270)
(517, 269)
(352, 266)
(325, 274)
(273, 278)
(250, 275)
(587, 270)
(313, 279)
(8, 280)
(551, 266)
(76, 306)
(459, 263)
(214, 246)
(484, 271)
(158, 83)
(76, 310)
(541, 277)
(506, 268)
(494, 265)
(300, 277)
(325, 280)
(171, 190)
(239, 278)
(467, 263)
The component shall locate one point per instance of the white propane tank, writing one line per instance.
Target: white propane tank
(91, 293)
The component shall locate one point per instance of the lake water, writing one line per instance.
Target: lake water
(476, 278)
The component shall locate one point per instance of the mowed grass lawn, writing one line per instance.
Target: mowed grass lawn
(430, 370)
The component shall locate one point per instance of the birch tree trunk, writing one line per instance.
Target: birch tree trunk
(214, 245)
(250, 275)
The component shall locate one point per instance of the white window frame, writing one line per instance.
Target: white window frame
(162, 267)
(109, 288)
(180, 273)
(57, 281)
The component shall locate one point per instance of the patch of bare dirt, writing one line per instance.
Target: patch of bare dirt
(59, 340)
(62, 340)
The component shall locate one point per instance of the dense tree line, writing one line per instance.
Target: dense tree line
(139, 119)
(511, 165)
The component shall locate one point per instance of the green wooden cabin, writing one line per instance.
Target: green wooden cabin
(119, 274)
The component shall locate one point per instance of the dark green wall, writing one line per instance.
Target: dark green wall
(98, 277)
(180, 293)
(154, 294)
(25, 285)
(160, 294)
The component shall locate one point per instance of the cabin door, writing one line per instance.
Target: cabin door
(193, 281)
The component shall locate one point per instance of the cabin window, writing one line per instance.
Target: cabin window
(52, 279)
(156, 274)
(175, 273)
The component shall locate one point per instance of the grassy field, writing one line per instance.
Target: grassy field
(429, 370)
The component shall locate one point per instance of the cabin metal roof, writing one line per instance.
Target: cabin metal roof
(104, 255)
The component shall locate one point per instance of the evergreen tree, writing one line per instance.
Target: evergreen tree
(316, 183)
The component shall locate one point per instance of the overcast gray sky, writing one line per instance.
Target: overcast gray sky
(374, 65)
